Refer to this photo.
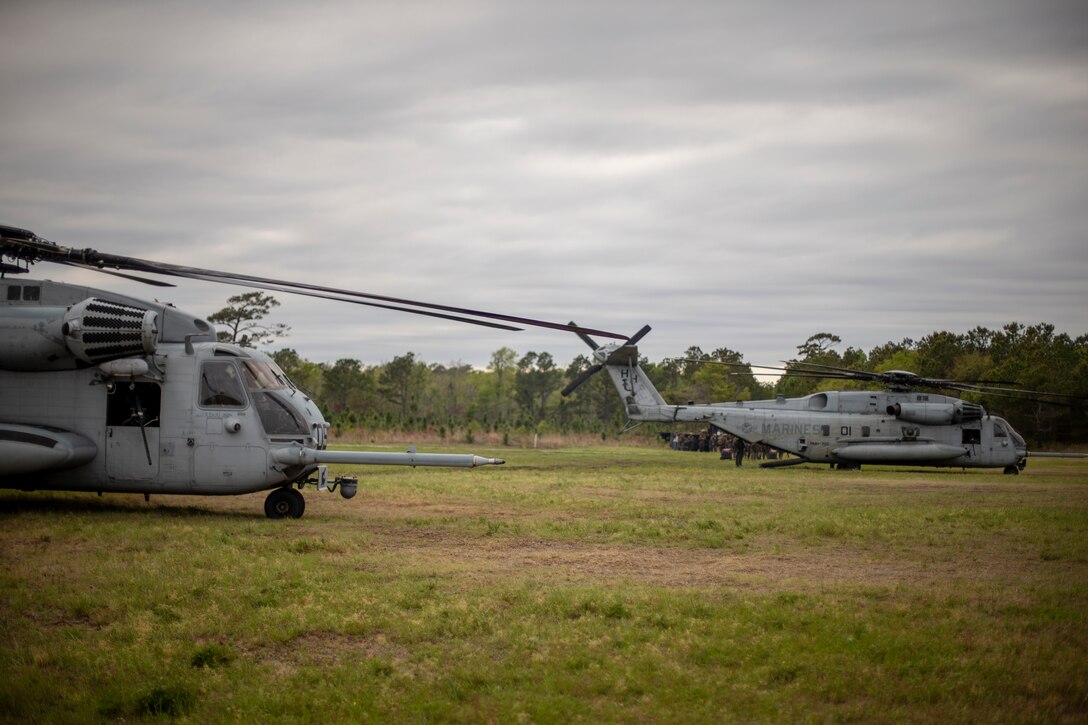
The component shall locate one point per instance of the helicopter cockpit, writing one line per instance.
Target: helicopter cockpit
(1003, 433)
(234, 377)
(272, 396)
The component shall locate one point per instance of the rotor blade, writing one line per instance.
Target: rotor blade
(638, 335)
(800, 366)
(790, 375)
(819, 376)
(801, 369)
(938, 382)
(303, 288)
(716, 362)
(780, 374)
(974, 382)
(582, 377)
(585, 338)
(842, 374)
(1024, 395)
(41, 249)
(145, 280)
(993, 390)
(914, 380)
(481, 323)
(1023, 398)
(798, 363)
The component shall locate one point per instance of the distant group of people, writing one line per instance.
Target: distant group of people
(729, 447)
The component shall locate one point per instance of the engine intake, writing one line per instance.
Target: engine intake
(97, 330)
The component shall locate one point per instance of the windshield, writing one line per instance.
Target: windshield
(1007, 430)
(277, 415)
(261, 375)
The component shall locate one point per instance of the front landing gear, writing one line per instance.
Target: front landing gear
(1012, 470)
(284, 503)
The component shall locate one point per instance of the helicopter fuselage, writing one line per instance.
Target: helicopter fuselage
(183, 414)
(853, 427)
(102, 392)
(197, 440)
(842, 428)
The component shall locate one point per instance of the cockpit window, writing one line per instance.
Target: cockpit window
(220, 386)
(1002, 429)
(277, 416)
(261, 375)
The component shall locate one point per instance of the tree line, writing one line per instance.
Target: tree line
(518, 394)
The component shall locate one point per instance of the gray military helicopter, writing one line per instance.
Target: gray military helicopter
(105, 392)
(899, 426)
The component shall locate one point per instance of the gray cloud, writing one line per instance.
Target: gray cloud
(739, 174)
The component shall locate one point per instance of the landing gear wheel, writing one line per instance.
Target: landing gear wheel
(284, 503)
(1012, 471)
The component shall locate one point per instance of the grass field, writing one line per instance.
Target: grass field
(577, 585)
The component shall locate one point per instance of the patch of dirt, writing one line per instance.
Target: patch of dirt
(805, 568)
(323, 649)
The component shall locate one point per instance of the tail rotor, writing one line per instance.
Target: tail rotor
(582, 377)
(602, 354)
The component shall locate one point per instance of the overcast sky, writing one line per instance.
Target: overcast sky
(738, 174)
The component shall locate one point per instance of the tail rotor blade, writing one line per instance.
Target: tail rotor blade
(584, 337)
(638, 335)
(584, 376)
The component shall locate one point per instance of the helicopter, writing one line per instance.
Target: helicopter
(102, 392)
(903, 425)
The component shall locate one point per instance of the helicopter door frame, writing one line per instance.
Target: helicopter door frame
(220, 454)
(971, 439)
(127, 456)
(998, 439)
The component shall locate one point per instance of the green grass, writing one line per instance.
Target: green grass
(583, 585)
